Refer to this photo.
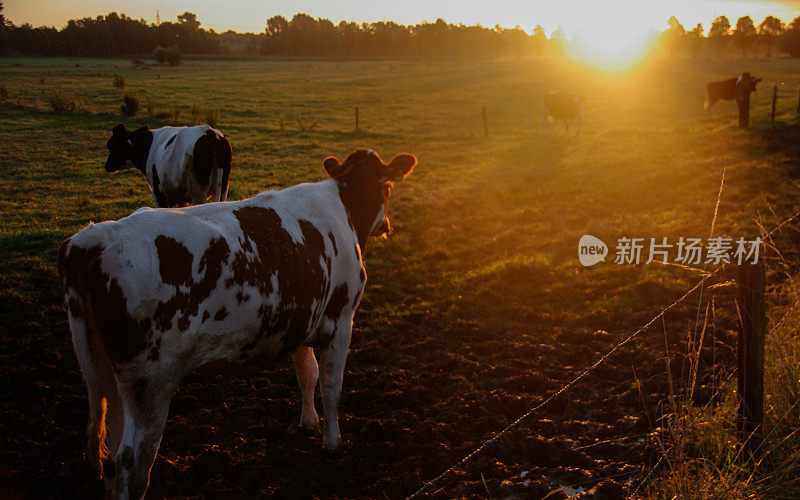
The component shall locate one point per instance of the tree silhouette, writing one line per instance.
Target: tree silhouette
(790, 39)
(718, 34)
(696, 39)
(4, 30)
(115, 35)
(558, 41)
(539, 40)
(674, 37)
(769, 30)
(744, 34)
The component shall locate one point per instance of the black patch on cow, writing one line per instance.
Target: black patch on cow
(338, 299)
(104, 303)
(204, 157)
(221, 314)
(301, 268)
(75, 307)
(109, 468)
(126, 459)
(206, 315)
(188, 303)
(174, 262)
(170, 141)
(139, 388)
(126, 145)
(155, 350)
(333, 243)
(240, 297)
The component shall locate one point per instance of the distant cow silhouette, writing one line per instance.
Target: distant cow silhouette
(562, 106)
(728, 90)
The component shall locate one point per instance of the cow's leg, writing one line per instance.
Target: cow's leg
(307, 376)
(218, 184)
(145, 407)
(224, 156)
(212, 191)
(115, 421)
(332, 360)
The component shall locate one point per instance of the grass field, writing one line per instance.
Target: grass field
(476, 307)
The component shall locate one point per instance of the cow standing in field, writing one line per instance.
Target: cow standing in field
(731, 89)
(184, 165)
(562, 106)
(159, 293)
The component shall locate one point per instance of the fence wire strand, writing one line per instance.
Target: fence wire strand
(489, 442)
(554, 395)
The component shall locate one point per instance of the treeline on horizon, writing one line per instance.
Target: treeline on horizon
(117, 35)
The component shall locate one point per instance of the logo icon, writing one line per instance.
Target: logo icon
(591, 250)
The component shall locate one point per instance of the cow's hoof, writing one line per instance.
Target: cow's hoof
(331, 445)
(308, 428)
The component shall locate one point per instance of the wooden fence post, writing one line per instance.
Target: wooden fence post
(751, 280)
(356, 118)
(485, 123)
(774, 100)
(743, 99)
(798, 102)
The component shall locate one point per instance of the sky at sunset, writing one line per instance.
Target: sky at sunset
(589, 17)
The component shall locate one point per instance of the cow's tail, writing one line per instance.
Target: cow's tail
(89, 348)
(224, 157)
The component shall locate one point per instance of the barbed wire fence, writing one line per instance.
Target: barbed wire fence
(487, 444)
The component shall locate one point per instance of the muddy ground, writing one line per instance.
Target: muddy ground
(411, 407)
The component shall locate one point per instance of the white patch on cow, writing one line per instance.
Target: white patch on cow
(172, 163)
(379, 219)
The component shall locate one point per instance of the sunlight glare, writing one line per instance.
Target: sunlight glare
(612, 35)
(612, 52)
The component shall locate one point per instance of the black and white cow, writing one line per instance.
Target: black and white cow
(159, 293)
(184, 165)
(731, 89)
(562, 106)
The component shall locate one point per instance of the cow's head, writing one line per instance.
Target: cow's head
(745, 86)
(365, 183)
(128, 148)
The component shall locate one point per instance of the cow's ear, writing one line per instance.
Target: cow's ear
(400, 166)
(333, 167)
(118, 130)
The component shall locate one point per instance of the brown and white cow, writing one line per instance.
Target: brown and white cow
(562, 106)
(183, 165)
(161, 292)
(731, 89)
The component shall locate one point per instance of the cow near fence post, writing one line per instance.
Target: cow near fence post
(744, 86)
(751, 280)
